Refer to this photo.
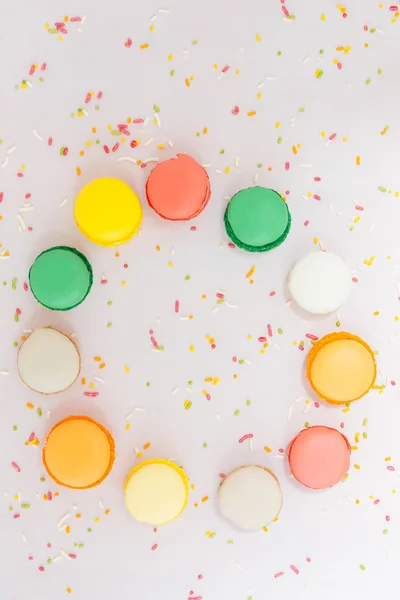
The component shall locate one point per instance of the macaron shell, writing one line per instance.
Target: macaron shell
(178, 189)
(108, 212)
(257, 219)
(341, 368)
(60, 278)
(156, 492)
(48, 361)
(250, 497)
(319, 457)
(78, 453)
(320, 282)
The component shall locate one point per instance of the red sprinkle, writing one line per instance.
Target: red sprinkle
(359, 207)
(311, 336)
(32, 70)
(294, 569)
(41, 569)
(1, 196)
(176, 306)
(31, 437)
(317, 178)
(287, 166)
(208, 396)
(20, 174)
(50, 141)
(213, 346)
(49, 496)
(91, 394)
(128, 43)
(154, 547)
(16, 467)
(269, 329)
(342, 425)
(393, 8)
(272, 293)
(235, 110)
(72, 555)
(332, 137)
(75, 19)
(354, 279)
(133, 144)
(193, 228)
(316, 404)
(376, 501)
(393, 382)
(18, 311)
(225, 69)
(199, 576)
(339, 66)
(103, 281)
(262, 339)
(231, 245)
(25, 286)
(106, 149)
(100, 95)
(316, 197)
(222, 475)
(153, 341)
(365, 27)
(136, 121)
(43, 67)
(115, 147)
(285, 10)
(234, 358)
(88, 98)
(65, 151)
(155, 529)
(246, 437)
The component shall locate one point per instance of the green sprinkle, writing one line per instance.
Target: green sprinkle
(187, 277)
(362, 567)
(230, 542)
(97, 107)
(41, 79)
(115, 132)
(42, 479)
(25, 505)
(301, 109)
(188, 404)
(194, 42)
(62, 151)
(15, 344)
(337, 323)
(161, 348)
(190, 382)
(205, 445)
(365, 422)
(320, 73)
(292, 17)
(148, 384)
(345, 478)
(384, 531)
(321, 51)
(365, 435)
(306, 424)
(72, 115)
(382, 189)
(241, 361)
(222, 151)
(347, 404)
(109, 324)
(279, 52)
(373, 30)
(79, 110)
(220, 301)
(156, 108)
(368, 82)
(280, 331)
(172, 73)
(49, 561)
(15, 428)
(97, 141)
(109, 303)
(10, 508)
(89, 530)
(379, 71)
(236, 412)
(16, 318)
(279, 140)
(39, 412)
(248, 402)
(52, 30)
(212, 535)
(259, 166)
(81, 545)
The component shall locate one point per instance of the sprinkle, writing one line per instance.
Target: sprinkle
(362, 567)
(154, 547)
(279, 574)
(63, 519)
(16, 467)
(294, 569)
(246, 437)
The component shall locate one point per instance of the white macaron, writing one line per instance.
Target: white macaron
(48, 361)
(250, 497)
(320, 282)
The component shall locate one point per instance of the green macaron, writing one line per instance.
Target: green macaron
(60, 278)
(257, 219)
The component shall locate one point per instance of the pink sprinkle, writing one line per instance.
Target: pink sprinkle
(308, 559)
(294, 569)
(354, 279)
(20, 174)
(16, 467)
(91, 394)
(100, 95)
(213, 346)
(31, 437)
(342, 425)
(359, 207)
(1, 197)
(176, 306)
(246, 437)
(332, 137)
(49, 496)
(262, 339)
(231, 245)
(225, 69)
(281, 450)
(219, 295)
(376, 501)
(316, 197)
(18, 311)
(269, 330)
(50, 141)
(287, 192)
(300, 347)
(138, 121)
(106, 149)
(234, 358)
(306, 223)
(222, 475)
(199, 576)
(311, 336)
(393, 8)
(17, 516)
(32, 70)
(339, 66)
(272, 293)
(393, 382)
(25, 286)
(153, 341)
(62, 30)
(365, 27)
(65, 151)
(88, 98)
(195, 598)
(387, 518)
(128, 43)
(75, 19)
(151, 331)
(390, 468)
(72, 555)
(104, 281)
(43, 67)
(279, 574)
(115, 147)
(30, 557)
(317, 178)
(316, 404)
(208, 396)
(285, 10)
(235, 110)
(155, 529)
(48, 545)
(41, 569)
(154, 547)
(193, 228)
(287, 166)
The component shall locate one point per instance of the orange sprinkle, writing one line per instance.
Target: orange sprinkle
(204, 499)
(81, 153)
(78, 171)
(143, 46)
(147, 445)
(45, 497)
(94, 129)
(250, 273)
(97, 358)
(102, 366)
(68, 529)
(267, 449)
(29, 405)
(69, 590)
(357, 467)
(388, 458)
(56, 494)
(187, 82)
(251, 113)
(107, 511)
(294, 149)
(139, 455)
(78, 515)
(205, 130)
(83, 381)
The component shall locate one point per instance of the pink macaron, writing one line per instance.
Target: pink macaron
(319, 457)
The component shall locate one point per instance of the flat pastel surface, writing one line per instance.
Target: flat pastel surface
(319, 457)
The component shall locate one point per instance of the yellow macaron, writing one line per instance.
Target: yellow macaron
(108, 212)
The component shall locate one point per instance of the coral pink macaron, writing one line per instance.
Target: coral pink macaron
(319, 457)
(178, 189)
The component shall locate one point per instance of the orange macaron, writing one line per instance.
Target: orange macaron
(341, 368)
(78, 453)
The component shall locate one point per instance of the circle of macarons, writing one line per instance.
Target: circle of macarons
(108, 212)
(48, 361)
(78, 453)
(257, 219)
(60, 278)
(341, 368)
(156, 492)
(178, 189)
(319, 457)
(250, 497)
(320, 282)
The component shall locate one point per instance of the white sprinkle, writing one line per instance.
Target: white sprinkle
(83, 19)
(170, 144)
(175, 391)
(214, 310)
(270, 79)
(137, 450)
(217, 416)
(307, 408)
(327, 143)
(349, 85)
(320, 59)
(129, 417)
(185, 53)
(206, 166)
(305, 167)
(39, 137)
(126, 158)
(21, 222)
(230, 305)
(151, 159)
(380, 31)
(63, 202)
(157, 119)
(153, 17)
(298, 399)
(189, 390)
(19, 497)
(276, 346)
(62, 528)
(279, 456)
(3, 257)
(163, 11)
(11, 150)
(247, 362)
(64, 518)
(98, 379)
(288, 302)
(255, 178)
(289, 412)
(4, 372)
(5, 162)
(24, 538)
(218, 171)
(149, 141)
(250, 444)
(147, 119)
(85, 113)
(236, 163)
(48, 414)
(65, 555)
(101, 504)
(56, 558)
(239, 568)
(28, 83)
(26, 208)
(306, 59)
(139, 409)
(220, 76)
(184, 318)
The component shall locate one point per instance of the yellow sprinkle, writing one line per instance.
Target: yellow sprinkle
(78, 171)
(143, 46)
(346, 410)
(322, 133)
(354, 447)
(68, 529)
(191, 348)
(277, 125)
(78, 515)
(251, 113)
(323, 18)
(259, 96)
(170, 264)
(357, 467)
(69, 590)
(237, 71)
(152, 28)
(265, 529)
(139, 455)
(161, 146)
(340, 48)
(127, 369)
(170, 57)
(358, 161)
(97, 358)
(127, 426)
(388, 458)
(91, 385)
(368, 262)
(250, 273)
(204, 499)
(294, 149)
(258, 38)
(315, 240)
(187, 82)
(376, 313)
(97, 520)
(356, 219)
(227, 170)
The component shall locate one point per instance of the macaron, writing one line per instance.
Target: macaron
(341, 368)
(257, 219)
(320, 282)
(250, 497)
(48, 361)
(319, 457)
(108, 212)
(156, 492)
(60, 278)
(78, 453)
(178, 189)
